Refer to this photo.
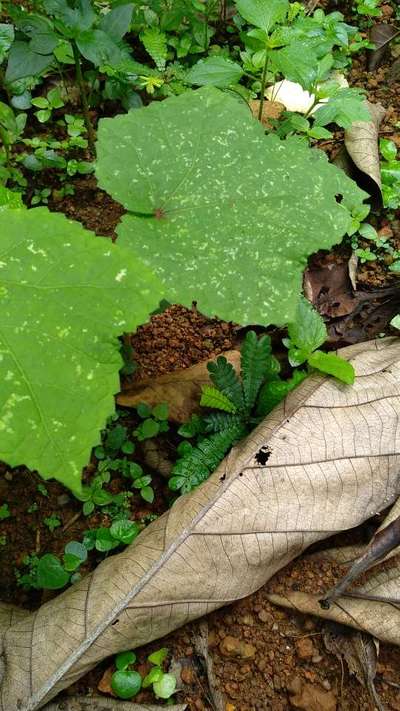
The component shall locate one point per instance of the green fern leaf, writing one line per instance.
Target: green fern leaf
(197, 465)
(255, 356)
(220, 421)
(223, 375)
(155, 44)
(212, 397)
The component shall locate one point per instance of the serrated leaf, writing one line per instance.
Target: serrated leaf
(333, 365)
(68, 295)
(263, 13)
(155, 44)
(211, 397)
(308, 331)
(218, 71)
(297, 62)
(207, 188)
(345, 108)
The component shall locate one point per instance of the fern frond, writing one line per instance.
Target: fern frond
(193, 469)
(211, 397)
(223, 375)
(220, 421)
(155, 44)
(255, 356)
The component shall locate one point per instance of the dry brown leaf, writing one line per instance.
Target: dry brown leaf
(361, 143)
(360, 651)
(329, 288)
(180, 389)
(394, 73)
(380, 34)
(335, 455)
(378, 617)
(100, 703)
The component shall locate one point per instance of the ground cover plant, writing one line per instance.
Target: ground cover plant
(158, 114)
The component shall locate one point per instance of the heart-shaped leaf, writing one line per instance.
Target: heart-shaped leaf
(223, 214)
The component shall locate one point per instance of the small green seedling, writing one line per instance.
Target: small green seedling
(306, 334)
(40, 196)
(121, 532)
(94, 494)
(49, 572)
(126, 682)
(115, 440)
(385, 252)
(42, 490)
(47, 104)
(52, 522)
(4, 512)
(155, 421)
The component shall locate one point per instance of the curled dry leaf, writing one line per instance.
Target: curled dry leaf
(384, 542)
(380, 34)
(335, 454)
(361, 151)
(360, 651)
(181, 390)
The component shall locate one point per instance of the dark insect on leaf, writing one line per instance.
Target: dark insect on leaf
(263, 455)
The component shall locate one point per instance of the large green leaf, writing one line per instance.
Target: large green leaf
(65, 296)
(218, 71)
(24, 62)
(263, 13)
(223, 214)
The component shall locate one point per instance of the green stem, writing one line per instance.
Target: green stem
(84, 101)
(263, 84)
(206, 28)
(314, 104)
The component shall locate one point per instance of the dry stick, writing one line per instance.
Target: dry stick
(382, 543)
(72, 520)
(85, 105)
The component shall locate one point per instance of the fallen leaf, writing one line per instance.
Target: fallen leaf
(381, 34)
(361, 151)
(104, 684)
(329, 288)
(335, 455)
(181, 390)
(360, 651)
(394, 72)
(384, 542)
(100, 703)
(201, 645)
